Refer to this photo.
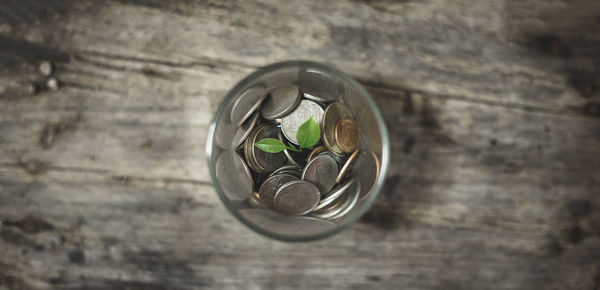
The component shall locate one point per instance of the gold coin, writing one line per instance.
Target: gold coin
(347, 135)
(249, 149)
(347, 166)
(332, 115)
(316, 152)
(333, 148)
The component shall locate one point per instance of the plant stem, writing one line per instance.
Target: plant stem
(291, 147)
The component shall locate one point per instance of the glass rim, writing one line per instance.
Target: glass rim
(385, 152)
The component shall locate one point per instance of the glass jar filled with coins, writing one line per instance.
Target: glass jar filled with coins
(298, 151)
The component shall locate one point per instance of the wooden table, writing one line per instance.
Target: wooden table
(493, 108)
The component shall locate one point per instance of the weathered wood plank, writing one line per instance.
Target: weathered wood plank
(400, 46)
(485, 50)
(161, 133)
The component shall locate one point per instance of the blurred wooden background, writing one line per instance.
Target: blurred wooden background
(493, 107)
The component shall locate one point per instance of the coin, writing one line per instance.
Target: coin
(318, 86)
(368, 173)
(248, 102)
(266, 160)
(347, 166)
(297, 197)
(331, 146)
(338, 159)
(321, 171)
(341, 206)
(233, 175)
(316, 152)
(334, 194)
(291, 122)
(347, 135)
(266, 193)
(351, 201)
(279, 77)
(294, 172)
(242, 132)
(261, 161)
(249, 149)
(323, 105)
(332, 115)
(285, 168)
(248, 144)
(223, 132)
(281, 101)
(330, 210)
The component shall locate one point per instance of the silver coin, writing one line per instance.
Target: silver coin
(248, 102)
(368, 173)
(315, 152)
(233, 175)
(293, 172)
(281, 101)
(297, 197)
(286, 225)
(347, 166)
(248, 144)
(223, 127)
(314, 99)
(265, 162)
(344, 206)
(290, 158)
(285, 168)
(353, 199)
(338, 159)
(321, 171)
(279, 77)
(334, 194)
(318, 86)
(242, 132)
(223, 132)
(266, 193)
(330, 210)
(291, 122)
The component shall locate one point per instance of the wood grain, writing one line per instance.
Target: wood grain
(493, 108)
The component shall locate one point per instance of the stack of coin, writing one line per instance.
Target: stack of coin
(317, 181)
(340, 130)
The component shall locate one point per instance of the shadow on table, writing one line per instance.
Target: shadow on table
(416, 174)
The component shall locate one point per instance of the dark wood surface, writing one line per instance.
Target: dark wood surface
(493, 109)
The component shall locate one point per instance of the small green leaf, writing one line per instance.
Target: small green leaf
(308, 133)
(270, 145)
